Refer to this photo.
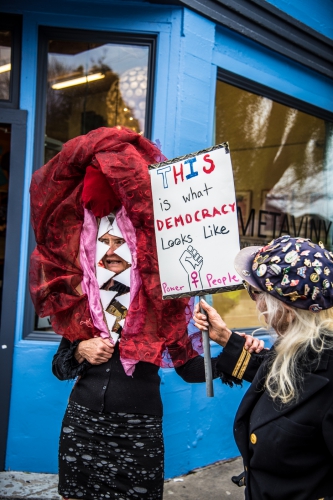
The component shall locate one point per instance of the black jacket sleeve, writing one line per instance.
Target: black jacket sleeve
(194, 370)
(233, 365)
(64, 364)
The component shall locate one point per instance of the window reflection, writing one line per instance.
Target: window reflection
(282, 162)
(5, 64)
(92, 85)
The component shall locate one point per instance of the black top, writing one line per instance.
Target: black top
(107, 388)
(287, 449)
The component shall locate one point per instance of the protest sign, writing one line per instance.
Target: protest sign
(196, 225)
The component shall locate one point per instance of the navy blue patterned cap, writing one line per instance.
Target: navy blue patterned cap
(294, 270)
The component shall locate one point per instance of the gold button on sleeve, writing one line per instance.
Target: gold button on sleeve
(253, 438)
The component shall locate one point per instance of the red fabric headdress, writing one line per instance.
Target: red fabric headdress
(101, 171)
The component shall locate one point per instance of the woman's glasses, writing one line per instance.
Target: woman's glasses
(253, 292)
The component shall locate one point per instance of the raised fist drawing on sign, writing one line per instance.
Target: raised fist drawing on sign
(192, 262)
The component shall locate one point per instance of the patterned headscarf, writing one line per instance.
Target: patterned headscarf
(294, 270)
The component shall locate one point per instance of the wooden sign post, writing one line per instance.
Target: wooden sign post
(196, 225)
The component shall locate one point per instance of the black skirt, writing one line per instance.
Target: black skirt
(110, 455)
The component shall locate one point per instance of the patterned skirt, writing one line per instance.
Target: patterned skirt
(110, 455)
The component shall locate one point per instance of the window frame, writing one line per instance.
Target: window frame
(68, 34)
(275, 95)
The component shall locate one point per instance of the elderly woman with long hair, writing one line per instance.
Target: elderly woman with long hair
(284, 425)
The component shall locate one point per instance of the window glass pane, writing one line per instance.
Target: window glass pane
(93, 85)
(282, 162)
(5, 64)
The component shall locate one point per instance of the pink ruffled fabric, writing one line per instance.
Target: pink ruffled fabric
(89, 282)
(128, 232)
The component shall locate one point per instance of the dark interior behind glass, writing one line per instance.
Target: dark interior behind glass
(282, 161)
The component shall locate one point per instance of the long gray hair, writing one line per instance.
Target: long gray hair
(300, 333)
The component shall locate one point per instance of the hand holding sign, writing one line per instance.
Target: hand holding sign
(195, 204)
(192, 262)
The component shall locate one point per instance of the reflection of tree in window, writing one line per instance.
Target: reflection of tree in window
(58, 103)
(126, 99)
(85, 93)
(278, 153)
(76, 110)
(118, 112)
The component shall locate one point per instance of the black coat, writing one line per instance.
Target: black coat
(287, 449)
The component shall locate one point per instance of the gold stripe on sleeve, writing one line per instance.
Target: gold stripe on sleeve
(239, 363)
(244, 366)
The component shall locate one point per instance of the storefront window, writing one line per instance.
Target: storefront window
(283, 164)
(5, 64)
(92, 85)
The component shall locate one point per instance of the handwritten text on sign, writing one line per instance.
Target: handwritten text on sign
(196, 223)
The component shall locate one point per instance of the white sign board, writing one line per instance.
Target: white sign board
(196, 226)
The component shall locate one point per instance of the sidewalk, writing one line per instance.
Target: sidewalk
(208, 483)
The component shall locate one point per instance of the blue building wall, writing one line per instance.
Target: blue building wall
(279, 73)
(198, 430)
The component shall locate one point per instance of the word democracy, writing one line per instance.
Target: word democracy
(198, 216)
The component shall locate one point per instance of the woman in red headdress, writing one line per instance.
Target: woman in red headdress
(95, 273)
